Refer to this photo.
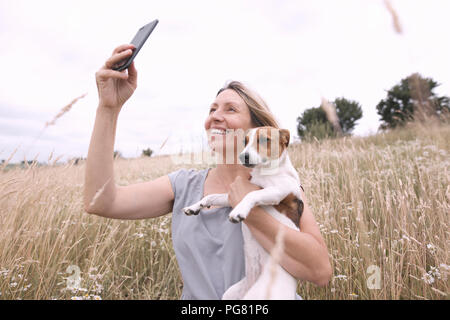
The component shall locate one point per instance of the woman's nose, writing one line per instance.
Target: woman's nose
(217, 115)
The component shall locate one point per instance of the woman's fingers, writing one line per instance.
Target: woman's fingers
(120, 53)
(104, 74)
(118, 57)
(132, 73)
(123, 47)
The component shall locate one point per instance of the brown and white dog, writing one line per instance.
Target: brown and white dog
(265, 151)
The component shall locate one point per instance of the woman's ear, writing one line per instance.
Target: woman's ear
(285, 136)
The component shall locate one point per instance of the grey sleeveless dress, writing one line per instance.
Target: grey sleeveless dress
(208, 247)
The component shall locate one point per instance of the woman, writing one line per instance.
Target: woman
(209, 249)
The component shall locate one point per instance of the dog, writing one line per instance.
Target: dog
(265, 151)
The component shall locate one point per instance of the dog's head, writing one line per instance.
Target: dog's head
(264, 145)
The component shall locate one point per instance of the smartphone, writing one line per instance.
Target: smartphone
(138, 41)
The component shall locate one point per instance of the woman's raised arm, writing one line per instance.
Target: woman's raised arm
(101, 195)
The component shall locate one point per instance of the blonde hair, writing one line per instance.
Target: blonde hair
(259, 111)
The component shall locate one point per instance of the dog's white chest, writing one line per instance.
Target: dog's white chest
(264, 279)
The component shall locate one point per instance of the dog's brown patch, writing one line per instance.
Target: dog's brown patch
(291, 207)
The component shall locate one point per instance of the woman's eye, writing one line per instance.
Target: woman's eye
(211, 110)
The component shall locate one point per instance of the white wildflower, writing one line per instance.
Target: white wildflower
(163, 230)
(26, 287)
(428, 278)
(4, 272)
(93, 269)
(431, 248)
(98, 288)
(435, 272)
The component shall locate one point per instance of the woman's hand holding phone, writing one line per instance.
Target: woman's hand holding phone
(116, 87)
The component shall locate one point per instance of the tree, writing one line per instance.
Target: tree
(314, 122)
(412, 99)
(117, 154)
(147, 152)
(348, 112)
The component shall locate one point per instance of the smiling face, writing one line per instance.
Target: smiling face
(228, 119)
(228, 111)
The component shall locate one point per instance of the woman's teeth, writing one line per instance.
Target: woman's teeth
(218, 131)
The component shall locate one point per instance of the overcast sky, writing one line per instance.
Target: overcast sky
(291, 52)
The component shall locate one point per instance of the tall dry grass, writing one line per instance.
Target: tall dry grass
(380, 201)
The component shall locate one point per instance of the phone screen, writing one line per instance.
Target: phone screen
(138, 41)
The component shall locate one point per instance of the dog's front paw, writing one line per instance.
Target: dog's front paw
(237, 215)
(192, 210)
(195, 208)
(235, 219)
(189, 212)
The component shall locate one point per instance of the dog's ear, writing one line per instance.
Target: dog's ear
(285, 136)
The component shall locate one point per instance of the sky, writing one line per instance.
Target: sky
(292, 53)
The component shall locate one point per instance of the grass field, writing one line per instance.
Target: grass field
(382, 203)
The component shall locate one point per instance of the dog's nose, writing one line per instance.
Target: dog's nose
(244, 158)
